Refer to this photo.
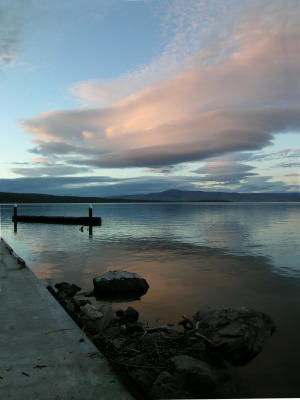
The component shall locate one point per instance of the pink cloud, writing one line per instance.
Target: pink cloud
(235, 96)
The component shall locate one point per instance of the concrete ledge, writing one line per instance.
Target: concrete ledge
(42, 356)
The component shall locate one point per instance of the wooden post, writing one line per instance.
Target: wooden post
(90, 219)
(15, 212)
(15, 218)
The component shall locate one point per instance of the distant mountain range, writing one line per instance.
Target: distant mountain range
(184, 195)
(6, 198)
(168, 195)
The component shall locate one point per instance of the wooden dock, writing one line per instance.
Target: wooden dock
(94, 221)
(44, 219)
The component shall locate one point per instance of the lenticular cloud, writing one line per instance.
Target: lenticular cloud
(235, 95)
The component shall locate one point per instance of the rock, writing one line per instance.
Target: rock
(201, 379)
(91, 317)
(51, 290)
(91, 312)
(66, 289)
(90, 326)
(114, 331)
(166, 387)
(198, 349)
(120, 313)
(70, 306)
(143, 378)
(129, 315)
(226, 390)
(134, 327)
(81, 302)
(108, 317)
(86, 294)
(118, 284)
(237, 334)
(196, 376)
(118, 343)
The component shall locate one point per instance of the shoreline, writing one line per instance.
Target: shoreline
(160, 361)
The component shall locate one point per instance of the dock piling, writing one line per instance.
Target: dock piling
(15, 218)
(90, 211)
(15, 211)
(90, 220)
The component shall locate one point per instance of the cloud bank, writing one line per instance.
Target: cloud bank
(228, 172)
(106, 186)
(103, 186)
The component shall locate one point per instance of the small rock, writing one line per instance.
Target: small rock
(134, 327)
(70, 306)
(118, 343)
(87, 294)
(90, 326)
(81, 302)
(120, 313)
(108, 317)
(66, 289)
(91, 312)
(129, 315)
(115, 330)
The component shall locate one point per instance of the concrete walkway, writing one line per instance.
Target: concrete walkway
(41, 355)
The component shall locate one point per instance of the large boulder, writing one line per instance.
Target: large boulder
(201, 379)
(238, 334)
(119, 284)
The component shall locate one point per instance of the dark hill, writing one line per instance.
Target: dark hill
(48, 198)
(179, 195)
(168, 195)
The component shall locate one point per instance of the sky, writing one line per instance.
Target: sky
(112, 97)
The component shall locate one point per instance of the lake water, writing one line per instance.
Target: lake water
(192, 255)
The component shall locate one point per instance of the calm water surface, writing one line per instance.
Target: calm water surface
(192, 255)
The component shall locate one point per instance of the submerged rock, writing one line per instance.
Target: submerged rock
(118, 284)
(237, 334)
